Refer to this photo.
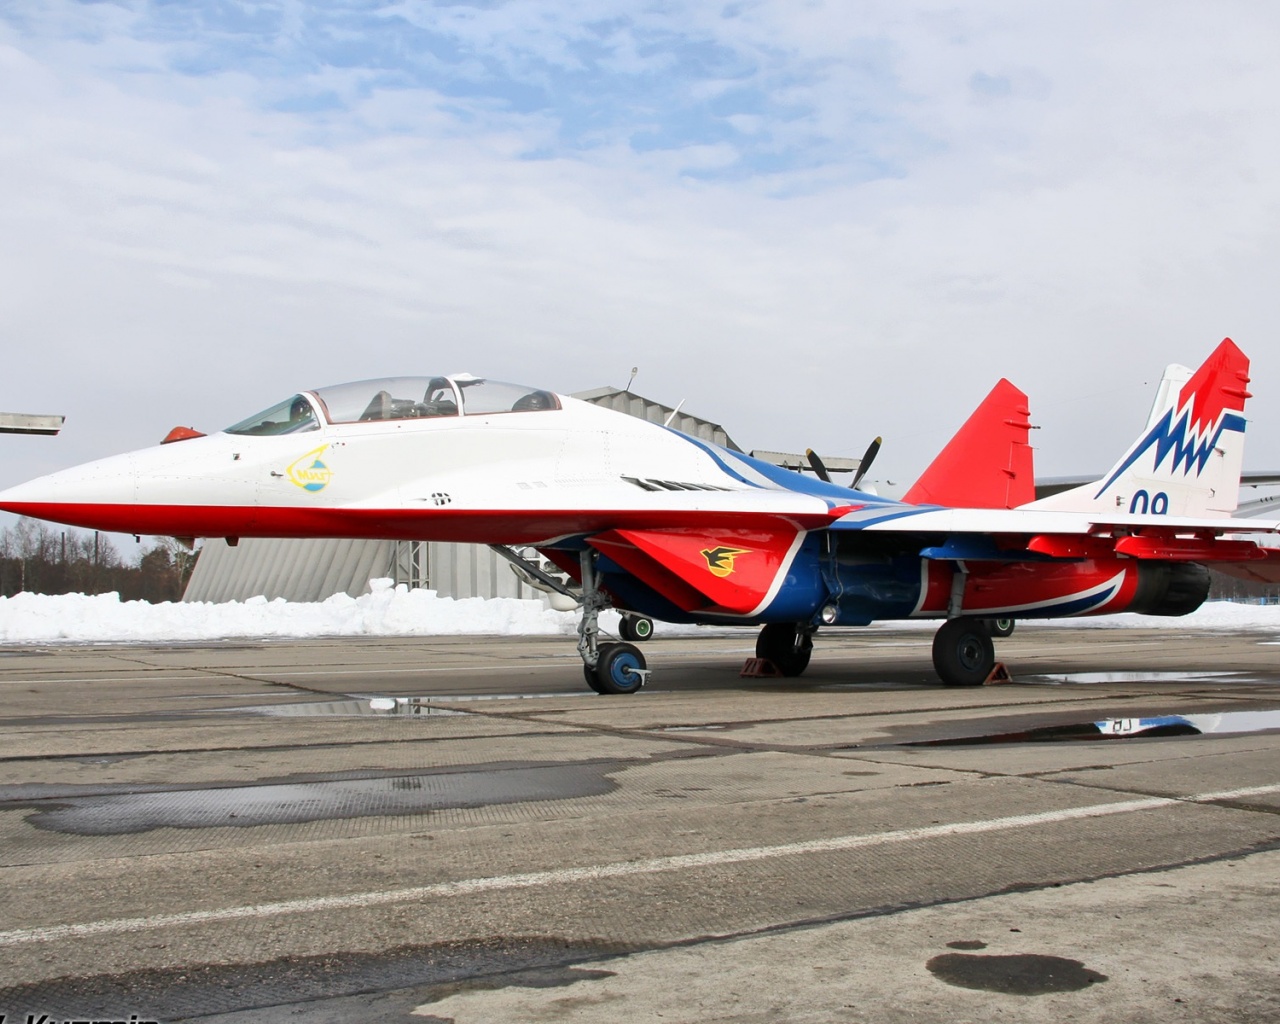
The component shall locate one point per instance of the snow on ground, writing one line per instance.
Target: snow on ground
(396, 611)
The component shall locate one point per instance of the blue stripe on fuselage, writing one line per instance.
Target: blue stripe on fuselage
(786, 479)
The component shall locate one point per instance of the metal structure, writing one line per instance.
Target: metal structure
(28, 423)
(655, 412)
(312, 570)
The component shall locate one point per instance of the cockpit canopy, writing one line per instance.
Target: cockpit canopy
(396, 398)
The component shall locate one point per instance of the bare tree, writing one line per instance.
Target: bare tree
(40, 559)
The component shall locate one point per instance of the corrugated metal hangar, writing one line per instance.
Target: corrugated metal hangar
(311, 570)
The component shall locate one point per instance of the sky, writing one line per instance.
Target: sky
(814, 222)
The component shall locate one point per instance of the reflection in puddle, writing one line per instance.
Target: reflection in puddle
(364, 705)
(379, 706)
(462, 698)
(1057, 679)
(1234, 721)
(1222, 723)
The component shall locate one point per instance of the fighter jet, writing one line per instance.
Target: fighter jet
(661, 524)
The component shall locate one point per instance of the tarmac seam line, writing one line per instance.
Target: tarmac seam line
(600, 872)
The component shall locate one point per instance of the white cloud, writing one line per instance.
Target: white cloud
(176, 248)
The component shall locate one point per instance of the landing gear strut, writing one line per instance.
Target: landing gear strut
(963, 654)
(608, 668)
(789, 645)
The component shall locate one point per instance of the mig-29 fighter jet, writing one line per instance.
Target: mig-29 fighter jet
(662, 524)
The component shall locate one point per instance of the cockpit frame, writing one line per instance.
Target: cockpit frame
(394, 399)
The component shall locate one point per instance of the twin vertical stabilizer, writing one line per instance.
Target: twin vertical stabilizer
(1188, 459)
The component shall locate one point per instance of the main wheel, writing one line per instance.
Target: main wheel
(963, 654)
(786, 645)
(635, 627)
(620, 669)
(1000, 627)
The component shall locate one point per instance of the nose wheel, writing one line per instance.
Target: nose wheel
(620, 669)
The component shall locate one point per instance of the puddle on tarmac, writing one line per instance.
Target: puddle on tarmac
(558, 977)
(1221, 723)
(364, 706)
(298, 802)
(691, 728)
(1021, 974)
(334, 986)
(1093, 678)
(377, 706)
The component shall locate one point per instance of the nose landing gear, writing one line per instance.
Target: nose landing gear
(608, 667)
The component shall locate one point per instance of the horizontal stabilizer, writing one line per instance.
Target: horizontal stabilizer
(1262, 570)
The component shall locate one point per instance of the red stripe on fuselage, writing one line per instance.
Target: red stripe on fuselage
(472, 526)
(991, 589)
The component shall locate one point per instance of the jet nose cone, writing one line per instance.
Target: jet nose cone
(74, 496)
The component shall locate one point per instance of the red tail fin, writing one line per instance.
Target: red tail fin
(988, 464)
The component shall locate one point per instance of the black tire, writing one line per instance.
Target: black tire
(786, 645)
(963, 654)
(637, 628)
(589, 674)
(1000, 627)
(615, 671)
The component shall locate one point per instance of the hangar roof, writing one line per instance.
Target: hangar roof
(655, 412)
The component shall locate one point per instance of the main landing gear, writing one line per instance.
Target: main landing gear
(788, 645)
(963, 654)
(607, 667)
(635, 627)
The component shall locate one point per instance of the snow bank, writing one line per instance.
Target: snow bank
(397, 611)
(385, 611)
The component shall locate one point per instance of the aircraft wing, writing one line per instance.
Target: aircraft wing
(900, 519)
(1009, 534)
(1261, 570)
(1050, 485)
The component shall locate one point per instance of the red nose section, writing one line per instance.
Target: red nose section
(181, 434)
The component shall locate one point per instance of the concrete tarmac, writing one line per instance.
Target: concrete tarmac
(228, 832)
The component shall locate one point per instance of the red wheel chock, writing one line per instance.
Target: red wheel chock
(999, 674)
(759, 668)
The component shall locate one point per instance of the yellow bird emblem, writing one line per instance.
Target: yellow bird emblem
(720, 561)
